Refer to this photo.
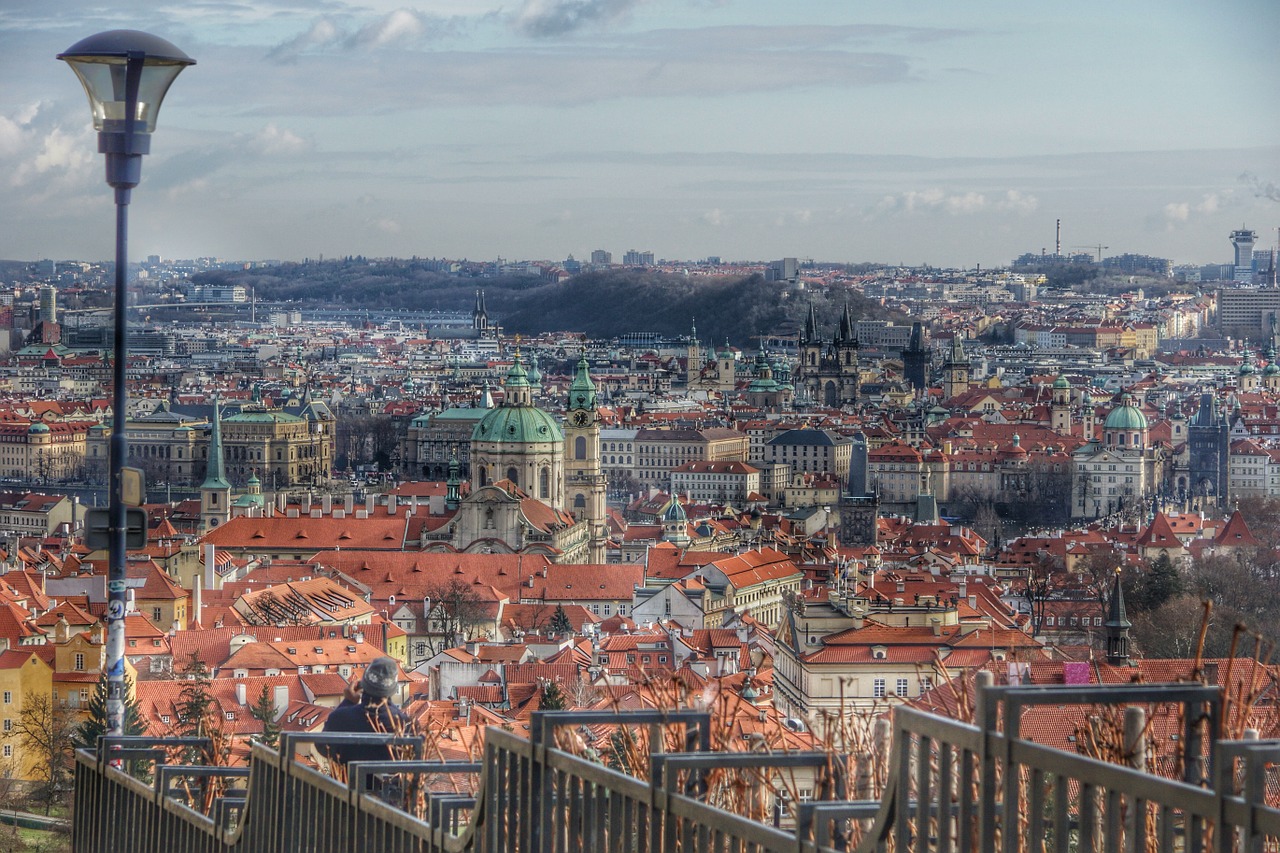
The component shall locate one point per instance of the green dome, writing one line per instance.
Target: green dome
(517, 425)
(38, 427)
(1126, 416)
(1271, 369)
(673, 512)
(1061, 382)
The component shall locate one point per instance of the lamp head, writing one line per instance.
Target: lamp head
(105, 64)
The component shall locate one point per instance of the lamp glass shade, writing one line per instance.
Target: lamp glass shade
(101, 63)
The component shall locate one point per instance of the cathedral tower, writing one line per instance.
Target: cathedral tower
(584, 477)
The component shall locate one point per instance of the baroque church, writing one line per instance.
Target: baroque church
(535, 488)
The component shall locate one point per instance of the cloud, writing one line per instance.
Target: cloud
(1181, 211)
(273, 141)
(399, 27)
(715, 217)
(545, 18)
(1268, 190)
(322, 32)
(957, 204)
(1016, 201)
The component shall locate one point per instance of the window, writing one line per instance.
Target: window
(877, 689)
(164, 718)
(231, 715)
(8, 750)
(902, 687)
(155, 615)
(79, 661)
(8, 724)
(8, 697)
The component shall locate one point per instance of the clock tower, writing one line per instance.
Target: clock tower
(584, 487)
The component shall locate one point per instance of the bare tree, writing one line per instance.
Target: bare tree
(46, 730)
(1044, 580)
(456, 614)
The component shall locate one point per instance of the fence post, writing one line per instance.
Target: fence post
(1135, 740)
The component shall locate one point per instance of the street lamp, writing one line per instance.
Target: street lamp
(125, 73)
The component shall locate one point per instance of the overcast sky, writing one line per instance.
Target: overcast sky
(914, 131)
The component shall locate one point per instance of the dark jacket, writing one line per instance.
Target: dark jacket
(361, 717)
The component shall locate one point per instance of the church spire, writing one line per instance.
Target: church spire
(1117, 626)
(582, 392)
(216, 470)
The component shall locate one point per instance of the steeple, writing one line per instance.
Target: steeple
(1117, 626)
(582, 392)
(216, 470)
(215, 492)
(479, 316)
(846, 326)
(810, 326)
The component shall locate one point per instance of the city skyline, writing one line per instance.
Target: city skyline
(943, 135)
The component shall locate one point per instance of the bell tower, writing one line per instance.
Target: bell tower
(584, 487)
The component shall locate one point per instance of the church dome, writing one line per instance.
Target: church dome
(1061, 383)
(1126, 416)
(38, 427)
(517, 425)
(673, 512)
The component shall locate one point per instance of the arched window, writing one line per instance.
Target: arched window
(514, 476)
(580, 447)
(579, 502)
(544, 483)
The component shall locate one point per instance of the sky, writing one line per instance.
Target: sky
(907, 131)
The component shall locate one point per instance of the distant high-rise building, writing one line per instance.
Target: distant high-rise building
(601, 258)
(1243, 240)
(637, 259)
(787, 269)
(48, 305)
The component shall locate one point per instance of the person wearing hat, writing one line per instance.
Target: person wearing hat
(367, 707)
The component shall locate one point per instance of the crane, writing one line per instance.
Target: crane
(1099, 248)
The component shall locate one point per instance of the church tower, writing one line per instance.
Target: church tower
(956, 369)
(1060, 411)
(915, 359)
(1117, 626)
(479, 316)
(215, 491)
(693, 358)
(584, 477)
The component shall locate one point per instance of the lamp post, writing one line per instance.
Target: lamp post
(125, 73)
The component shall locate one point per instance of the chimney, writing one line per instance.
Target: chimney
(350, 503)
(370, 502)
(391, 504)
(306, 504)
(281, 696)
(210, 564)
(326, 504)
(936, 624)
(129, 605)
(241, 693)
(196, 602)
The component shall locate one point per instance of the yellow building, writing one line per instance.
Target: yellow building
(23, 674)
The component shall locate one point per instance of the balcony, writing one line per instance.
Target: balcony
(945, 786)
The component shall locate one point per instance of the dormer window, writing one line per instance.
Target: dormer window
(879, 652)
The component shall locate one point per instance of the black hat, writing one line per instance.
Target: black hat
(379, 679)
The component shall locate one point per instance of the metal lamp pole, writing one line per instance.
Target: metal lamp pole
(125, 73)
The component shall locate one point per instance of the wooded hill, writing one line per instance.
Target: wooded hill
(601, 304)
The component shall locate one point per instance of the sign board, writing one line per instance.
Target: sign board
(97, 528)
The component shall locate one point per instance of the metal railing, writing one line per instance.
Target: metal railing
(951, 786)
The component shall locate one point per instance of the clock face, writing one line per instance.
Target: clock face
(580, 418)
